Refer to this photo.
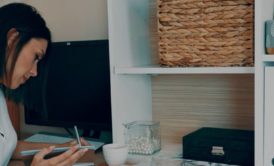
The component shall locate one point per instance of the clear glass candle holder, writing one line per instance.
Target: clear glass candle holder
(143, 137)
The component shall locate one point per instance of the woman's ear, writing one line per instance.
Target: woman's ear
(12, 36)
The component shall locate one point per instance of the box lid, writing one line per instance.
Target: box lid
(229, 139)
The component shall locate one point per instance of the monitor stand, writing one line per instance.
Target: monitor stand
(89, 134)
(95, 135)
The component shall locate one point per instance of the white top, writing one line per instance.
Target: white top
(8, 137)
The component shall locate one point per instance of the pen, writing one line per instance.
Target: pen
(77, 136)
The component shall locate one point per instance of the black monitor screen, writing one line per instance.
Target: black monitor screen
(75, 89)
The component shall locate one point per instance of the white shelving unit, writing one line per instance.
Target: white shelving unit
(269, 114)
(131, 67)
(263, 12)
(129, 46)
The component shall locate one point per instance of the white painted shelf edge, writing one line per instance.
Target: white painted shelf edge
(268, 58)
(183, 70)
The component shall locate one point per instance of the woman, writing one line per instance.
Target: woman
(24, 41)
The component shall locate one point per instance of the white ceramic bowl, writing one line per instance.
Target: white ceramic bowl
(115, 154)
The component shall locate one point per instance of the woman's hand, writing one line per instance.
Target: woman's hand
(65, 159)
(67, 144)
(84, 142)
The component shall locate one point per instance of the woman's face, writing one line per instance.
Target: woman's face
(26, 64)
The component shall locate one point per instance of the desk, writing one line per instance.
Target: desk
(90, 156)
(97, 158)
(133, 160)
(168, 152)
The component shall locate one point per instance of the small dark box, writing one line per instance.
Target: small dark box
(228, 146)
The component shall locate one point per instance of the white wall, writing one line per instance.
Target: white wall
(74, 20)
(70, 20)
(4, 2)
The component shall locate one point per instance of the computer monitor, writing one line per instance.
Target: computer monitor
(72, 88)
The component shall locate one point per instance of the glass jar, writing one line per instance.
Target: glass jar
(143, 137)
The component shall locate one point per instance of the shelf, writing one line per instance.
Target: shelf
(183, 70)
(268, 58)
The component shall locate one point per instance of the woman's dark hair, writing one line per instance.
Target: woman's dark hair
(29, 23)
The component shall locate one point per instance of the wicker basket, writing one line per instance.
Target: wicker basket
(205, 32)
